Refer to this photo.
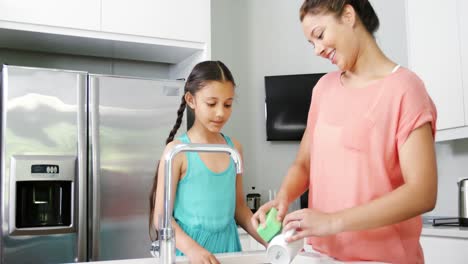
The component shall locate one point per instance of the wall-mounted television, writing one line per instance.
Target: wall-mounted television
(287, 102)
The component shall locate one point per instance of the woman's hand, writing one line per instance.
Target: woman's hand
(199, 255)
(260, 216)
(310, 222)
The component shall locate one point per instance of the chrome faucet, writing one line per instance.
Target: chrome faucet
(166, 232)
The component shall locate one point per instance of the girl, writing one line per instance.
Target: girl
(208, 193)
(367, 155)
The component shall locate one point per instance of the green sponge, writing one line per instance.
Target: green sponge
(272, 226)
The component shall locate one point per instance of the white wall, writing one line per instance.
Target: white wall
(452, 162)
(264, 37)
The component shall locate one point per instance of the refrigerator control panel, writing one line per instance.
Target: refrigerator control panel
(45, 168)
(34, 168)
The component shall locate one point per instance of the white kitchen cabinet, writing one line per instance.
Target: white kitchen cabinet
(187, 20)
(434, 54)
(83, 14)
(255, 245)
(176, 32)
(462, 14)
(249, 243)
(438, 53)
(245, 241)
(444, 250)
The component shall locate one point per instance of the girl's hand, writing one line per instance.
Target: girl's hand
(310, 222)
(199, 255)
(260, 216)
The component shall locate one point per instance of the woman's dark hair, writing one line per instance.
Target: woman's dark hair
(201, 74)
(363, 9)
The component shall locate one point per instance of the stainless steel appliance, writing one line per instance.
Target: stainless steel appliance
(462, 219)
(463, 201)
(78, 157)
(253, 200)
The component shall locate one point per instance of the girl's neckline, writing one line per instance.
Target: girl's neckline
(371, 84)
(222, 136)
(204, 164)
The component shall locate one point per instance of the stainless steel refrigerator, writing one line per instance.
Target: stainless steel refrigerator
(78, 157)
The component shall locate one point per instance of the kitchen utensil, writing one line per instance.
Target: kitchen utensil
(253, 200)
(281, 252)
(463, 201)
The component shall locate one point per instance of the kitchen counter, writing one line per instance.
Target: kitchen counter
(445, 231)
(228, 258)
(253, 257)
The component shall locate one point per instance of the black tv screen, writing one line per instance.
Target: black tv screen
(287, 104)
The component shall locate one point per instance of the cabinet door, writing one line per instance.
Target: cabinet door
(444, 250)
(175, 19)
(434, 54)
(255, 245)
(463, 26)
(83, 14)
(245, 242)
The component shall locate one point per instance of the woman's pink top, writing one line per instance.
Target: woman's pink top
(356, 134)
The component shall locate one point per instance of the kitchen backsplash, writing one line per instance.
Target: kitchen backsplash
(452, 162)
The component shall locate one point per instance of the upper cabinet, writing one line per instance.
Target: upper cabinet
(83, 14)
(176, 32)
(462, 15)
(437, 42)
(187, 20)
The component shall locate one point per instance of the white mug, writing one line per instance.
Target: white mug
(281, 252)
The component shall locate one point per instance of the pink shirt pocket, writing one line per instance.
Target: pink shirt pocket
(356, 134)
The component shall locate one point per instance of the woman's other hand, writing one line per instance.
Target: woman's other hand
(199, 255)
(260, 216)
(310, 222)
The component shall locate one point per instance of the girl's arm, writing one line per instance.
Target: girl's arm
(243, 213)
(416, 196)
(184, 243)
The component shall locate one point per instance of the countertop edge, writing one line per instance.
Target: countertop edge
(445, 231)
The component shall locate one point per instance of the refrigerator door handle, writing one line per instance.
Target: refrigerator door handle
(82, 181)
(96, 165)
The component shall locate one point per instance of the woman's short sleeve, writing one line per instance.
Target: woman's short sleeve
(416, 109)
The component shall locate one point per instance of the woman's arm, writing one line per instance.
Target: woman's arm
(295, 183)
(416, 196)
(183, 242)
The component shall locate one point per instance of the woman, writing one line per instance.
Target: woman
(367, 155)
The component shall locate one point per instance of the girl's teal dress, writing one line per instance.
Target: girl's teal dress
(205, 204)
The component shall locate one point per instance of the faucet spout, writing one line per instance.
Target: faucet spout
(166, 232)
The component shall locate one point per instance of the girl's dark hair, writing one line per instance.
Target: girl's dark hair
(201, 74)
(363, 9)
